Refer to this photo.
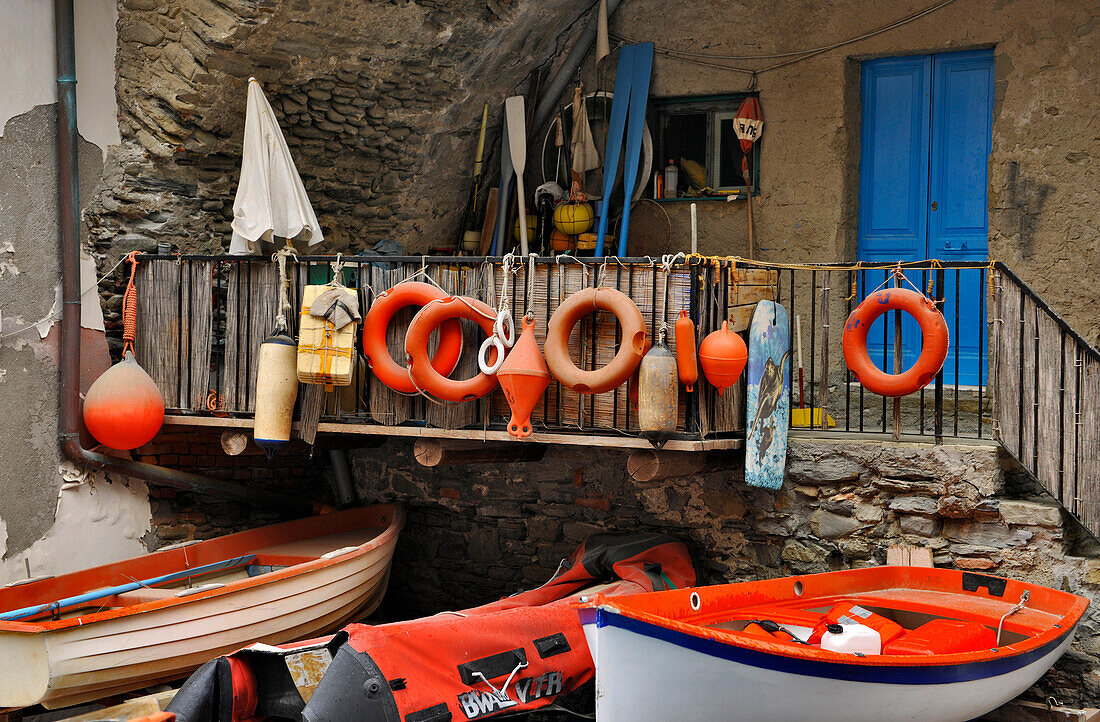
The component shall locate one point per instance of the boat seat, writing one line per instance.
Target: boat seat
(143, 595)
(943, 636)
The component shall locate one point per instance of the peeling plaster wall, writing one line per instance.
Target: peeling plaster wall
(1044, 218)
(28, 65)
(53, 518)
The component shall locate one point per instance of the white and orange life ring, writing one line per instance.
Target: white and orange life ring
(626, 358)
(933, 329)
(423, 373)
(376, 324)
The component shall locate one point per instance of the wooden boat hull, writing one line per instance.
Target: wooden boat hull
(686, 655)
(62, 663)
(693, 682)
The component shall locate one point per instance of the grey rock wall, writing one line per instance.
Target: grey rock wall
(380, 103)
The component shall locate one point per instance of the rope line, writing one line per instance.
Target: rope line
(129, 307)
(786, 58)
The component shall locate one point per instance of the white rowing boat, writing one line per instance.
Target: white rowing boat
(97, 632)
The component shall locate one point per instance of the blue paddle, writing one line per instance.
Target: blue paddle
(616, 125)
(121, 588)
(635, 125)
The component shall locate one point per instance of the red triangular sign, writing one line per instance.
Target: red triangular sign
(748, 123)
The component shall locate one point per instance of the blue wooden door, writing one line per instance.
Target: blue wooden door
(925, 141)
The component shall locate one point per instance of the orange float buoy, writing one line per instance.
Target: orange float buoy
(933, 336)
(634, 383)
(123, 409)
(422, 371)
(626, 358)
(377, 321)
(687, 364)
(723, 355)
(523, 376)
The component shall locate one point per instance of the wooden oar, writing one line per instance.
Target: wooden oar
(505, 190)
(475, 187)
(487, 225)
(517, 149)
(121, 588)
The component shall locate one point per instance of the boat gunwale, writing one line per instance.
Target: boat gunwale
(850, 669)
(600, 609)
(388, 534)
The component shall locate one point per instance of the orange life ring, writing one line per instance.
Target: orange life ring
(626, 359)
(423, 373)
(933, 329)
(377, 322)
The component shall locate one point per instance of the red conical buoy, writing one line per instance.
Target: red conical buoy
(123, 409)
(523, 376)
(722, 355)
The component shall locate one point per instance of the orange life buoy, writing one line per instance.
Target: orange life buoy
(377, 322)
(423, 373)
(933, 329)
(626, 359)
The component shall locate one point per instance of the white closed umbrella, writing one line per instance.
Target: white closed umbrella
(271, 200)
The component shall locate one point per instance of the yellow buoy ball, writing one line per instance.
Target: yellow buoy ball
(532, 224)
(573, 218)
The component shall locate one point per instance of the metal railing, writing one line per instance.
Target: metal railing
(240, 303)
(1046, 382)
(241, 309)
(1016, 372)
(956, 404)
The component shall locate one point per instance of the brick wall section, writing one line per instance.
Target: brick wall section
(476, 533)
(182, 515)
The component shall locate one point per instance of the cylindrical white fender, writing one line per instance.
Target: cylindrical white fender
(276, 391)
(658, 393)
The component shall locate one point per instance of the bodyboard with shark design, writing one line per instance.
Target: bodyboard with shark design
(768, 392)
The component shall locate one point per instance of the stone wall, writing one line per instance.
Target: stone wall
(177, 516)
(380, 103)
(476, 533)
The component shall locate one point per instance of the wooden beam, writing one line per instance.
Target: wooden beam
(654, 465)
(1025, 711)
(444, 452)
(905, 555)
(588, 438)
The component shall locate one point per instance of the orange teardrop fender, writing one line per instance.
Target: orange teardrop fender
(933, 329)
(423, 373)
(377, 322)
(626, 358)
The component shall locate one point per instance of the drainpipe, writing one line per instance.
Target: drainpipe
(548, 104)
(70, 310)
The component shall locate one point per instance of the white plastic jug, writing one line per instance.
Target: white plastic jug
(852, 639)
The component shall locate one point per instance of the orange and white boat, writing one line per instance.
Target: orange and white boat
(883, 643)
(122, 626)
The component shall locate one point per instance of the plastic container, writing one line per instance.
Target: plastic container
(851, 639)
(672, 174)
